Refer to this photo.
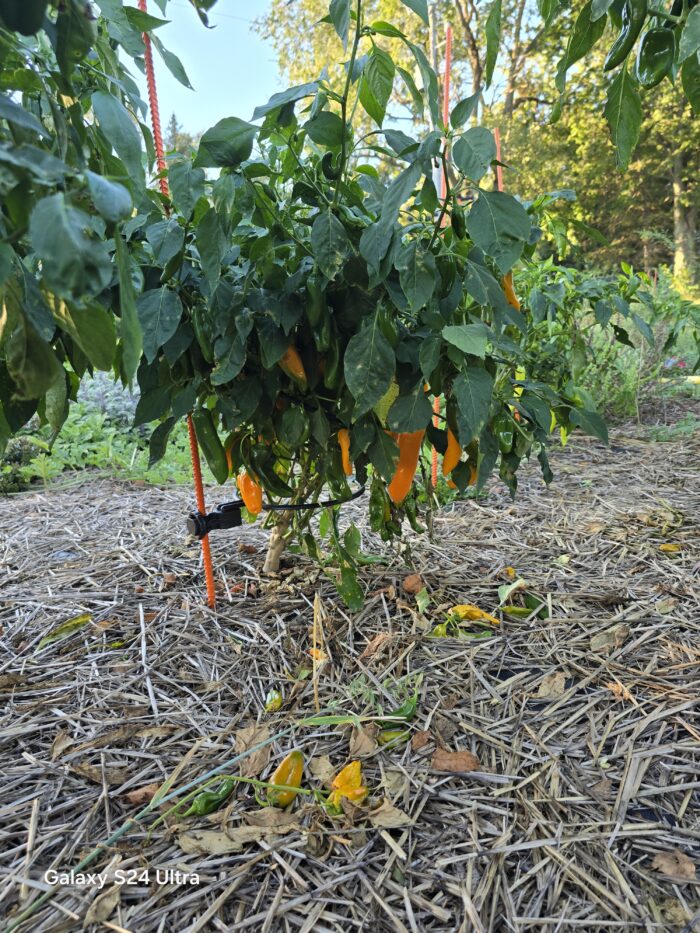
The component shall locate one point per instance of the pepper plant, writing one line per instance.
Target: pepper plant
(302, 301)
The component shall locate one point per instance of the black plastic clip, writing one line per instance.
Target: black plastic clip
(226, 515)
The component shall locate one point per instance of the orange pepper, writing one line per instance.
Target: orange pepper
(344, 442)
(409, 452)
(251, 493)
(291, 363)
(453, 454)
(511, 297)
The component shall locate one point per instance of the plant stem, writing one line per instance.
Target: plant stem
(448, 192)
(344, 99)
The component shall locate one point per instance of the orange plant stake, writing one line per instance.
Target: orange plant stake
(163, 182)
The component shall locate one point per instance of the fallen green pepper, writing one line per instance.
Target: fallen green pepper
(393, 736)
(655, 57)
(210, 800)
(634, 14)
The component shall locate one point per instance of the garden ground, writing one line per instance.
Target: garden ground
(579, 812)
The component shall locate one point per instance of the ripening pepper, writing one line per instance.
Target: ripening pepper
(453, 454)
(287, 774)
(251, 492)
(409, 452)
(344, 443)
(290, 362)
(634, 14)
(655, 56)
(511, 297)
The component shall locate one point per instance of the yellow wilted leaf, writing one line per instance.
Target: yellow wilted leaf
(467, 613)
(670, 548)
(65, 629)
(510, 572)
(318, 655)
(695, 380)
(348, 783)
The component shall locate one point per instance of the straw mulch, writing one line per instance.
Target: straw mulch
(579, 812)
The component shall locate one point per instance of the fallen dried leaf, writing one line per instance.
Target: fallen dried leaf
(141, 795)
(169, 578)
(363, 741)
(94, 774)
(103, 906)
(420, 739)
(320, 767)
(674, 863)
(248, 738)
(216, 842)
(412, 584)
(603, 789)
(387, 816)
(612, 638)
(272, 818)
(373, 646)
(552, 685)
(318, 654)
(619, 691)
(12, 680)
(454, 762)
(62, 742)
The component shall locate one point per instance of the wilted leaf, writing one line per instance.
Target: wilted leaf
(7, 681)
(454, 762)
(103, 906)
(272, 818)
(412, 584)
(619, 691)
(420, 739)
(603, 789)
(65, 629)
(347, 785)
(112, 776)
(612, 638)
(669, 548)
(674, 863)
(552, 685)
(318, 654)
(216, 842)
(248, 738)
(387, 816)
(363, 741)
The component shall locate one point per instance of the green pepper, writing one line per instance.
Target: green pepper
(655, 56)
(201, 332)
(316, 301)
(262, 464)
(23, 16)
(322, 333)
(330, 171)
(504, 430)
(459, 224)
(209, 441)
(331, 377)
(393, 736)
(634, 14)
(210, 800)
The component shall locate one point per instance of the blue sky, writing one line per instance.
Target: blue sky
(231, 68)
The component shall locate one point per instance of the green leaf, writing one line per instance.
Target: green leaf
(143, 21)
(590, 422)
(14, 113)
(469, 338)
(166, 238)
(290, 96)
(110, 198)
(31, 362)
(472, 391)
(430, 82)
(350, 590)
(376, 84)
(690, 78)
(73, 261)
(211, 245)
(690, 37)
(500, 226)
(92, 328)
(644, 329)
(464, 110)
(549, 10)
(129, 328)
(374, 243)
(339, 13)
(159, 311)
(56, 402)
(582, 38)
(410, 412)
(493, 40)
(326, 129)
(600, 8)
(420, 7)
(417, 274)
(623, 111)
(369, 366)
(474, 151)
(416, 95)
(329, 243)
(429, 356)
(383, 454)
(172, 63)
(398, 193)
(65, 629)
(186, 186)
(158, 442)
(119, 127)
(226, 144)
